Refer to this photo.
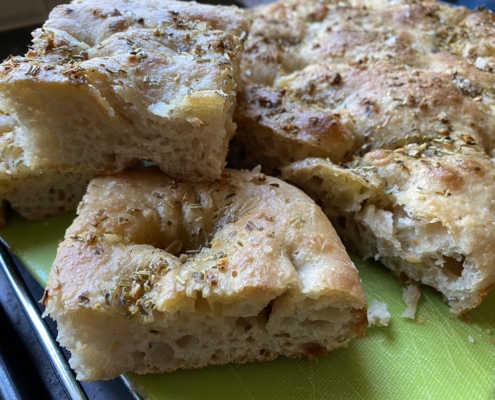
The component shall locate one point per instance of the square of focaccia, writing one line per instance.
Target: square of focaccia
(156, 275)
(108, 82)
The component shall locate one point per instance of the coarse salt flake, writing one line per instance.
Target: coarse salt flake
(481, 63)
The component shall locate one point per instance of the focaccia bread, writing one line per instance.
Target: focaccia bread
(426, 216)
(157, 274)
(336, 111)
(34, 194)
(108, 82)
(414, 79)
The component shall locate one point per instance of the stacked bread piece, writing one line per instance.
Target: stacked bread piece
(157, 274)
(384, 113)
(109, 82)
(106, 84)
(183, 264)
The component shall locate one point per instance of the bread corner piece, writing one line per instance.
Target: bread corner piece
(427, 217)
(33, 193)
(156, 275)
(107, 82)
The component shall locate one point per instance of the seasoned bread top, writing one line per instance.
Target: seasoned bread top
(395, 73)
(155, 58)
(245, 237)
(289, 35)
(147, 13)
(390, 106)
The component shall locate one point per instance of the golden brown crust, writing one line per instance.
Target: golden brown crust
(392, 106)
(146, 249)
(289, 35)
(282, 122)
(230, 19)
(379, 66)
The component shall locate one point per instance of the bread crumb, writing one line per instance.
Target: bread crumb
(488, 331)
(471, 339)
(410, 295)
(378, 314)
(196, 122)
(468, 319)
(420, 320)
(257, 169)
(492, 340)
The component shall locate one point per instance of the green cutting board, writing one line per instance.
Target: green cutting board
(436, 356)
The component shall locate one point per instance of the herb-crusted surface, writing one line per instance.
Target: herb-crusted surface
(412, 83)
(106, 83)
(157, 274)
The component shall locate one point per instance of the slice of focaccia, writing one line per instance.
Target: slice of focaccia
(157, 274)
(425, 212)
(108, 82)
(338, 110)
(412, 86)
(33, 193)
